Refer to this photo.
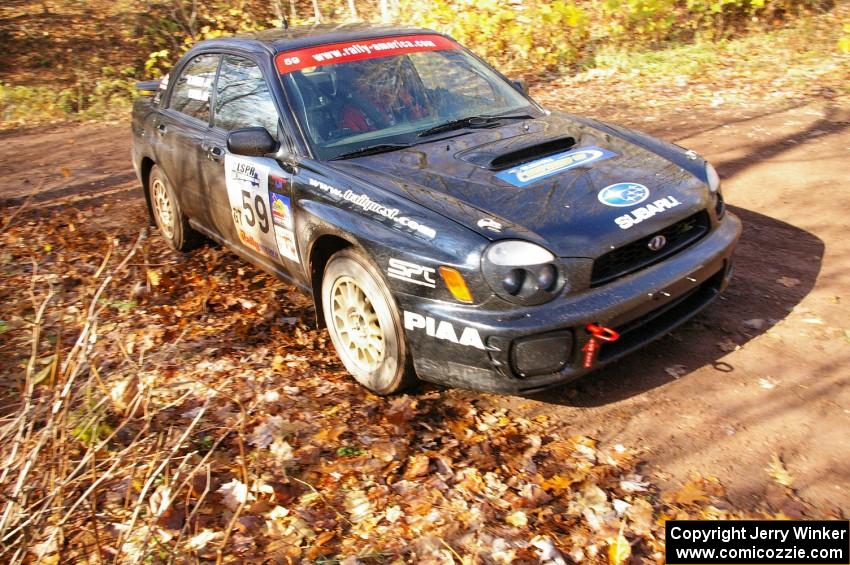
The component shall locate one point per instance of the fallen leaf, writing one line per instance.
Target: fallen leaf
(690, 493)
(417, 466)
(235, 493)
(767, 383)
(594, 498)
(640, 516)
(619, 550)
(357, 505)
(153, 277)
(727, 345)
(633, 485)
(392, 513)
(200, 540)
(776, 469)
(265, 433)
(788, 282)
(676, 371)
(620, 506)
(547, 552)
(281, 450)
(517, 519)
(160, 500)
(558, 483)
(330, 435)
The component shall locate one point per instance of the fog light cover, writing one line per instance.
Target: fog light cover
(542, 355)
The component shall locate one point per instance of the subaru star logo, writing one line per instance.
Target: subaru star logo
(657, 243)
(623, 194)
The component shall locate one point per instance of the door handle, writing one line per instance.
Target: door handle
(215, 153)
(161, 128)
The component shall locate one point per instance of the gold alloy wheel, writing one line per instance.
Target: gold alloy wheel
(163, 208)
(357, 325)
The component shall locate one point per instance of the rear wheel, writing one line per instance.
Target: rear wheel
(172, 224)
(364, 323)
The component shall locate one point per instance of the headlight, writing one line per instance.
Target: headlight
(712, 177)
(522, 272)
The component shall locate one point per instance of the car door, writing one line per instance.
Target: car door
(250, 198)
(181, 129)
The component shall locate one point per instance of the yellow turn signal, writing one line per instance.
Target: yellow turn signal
(456, 284)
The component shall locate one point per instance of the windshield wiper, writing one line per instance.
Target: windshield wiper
(471, 122)
(371, 150)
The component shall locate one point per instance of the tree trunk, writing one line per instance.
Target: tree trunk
(385, 12)
(352, 8)
(278, 11)
(316, 12)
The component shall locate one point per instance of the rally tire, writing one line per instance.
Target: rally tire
(172, 223)
(364, 324)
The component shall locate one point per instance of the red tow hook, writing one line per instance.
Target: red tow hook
(597, 333)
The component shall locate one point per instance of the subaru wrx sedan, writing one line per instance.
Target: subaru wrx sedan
(447, 226)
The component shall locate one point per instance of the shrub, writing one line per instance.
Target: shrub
(533, 36)
(528, 38)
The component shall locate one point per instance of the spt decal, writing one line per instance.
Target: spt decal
(412, 273)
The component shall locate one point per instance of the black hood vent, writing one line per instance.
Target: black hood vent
(537, 151)
(516, 151)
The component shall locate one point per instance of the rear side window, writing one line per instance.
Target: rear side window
(242, 97)
(192, 90)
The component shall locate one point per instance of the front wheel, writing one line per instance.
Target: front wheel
(364, 323)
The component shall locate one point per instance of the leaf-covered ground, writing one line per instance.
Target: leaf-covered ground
(165, 407)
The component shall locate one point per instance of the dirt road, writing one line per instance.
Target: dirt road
(761, 377)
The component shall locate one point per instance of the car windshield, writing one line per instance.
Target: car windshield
(381, 94)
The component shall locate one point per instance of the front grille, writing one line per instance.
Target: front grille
(637, 255)
(663, 320)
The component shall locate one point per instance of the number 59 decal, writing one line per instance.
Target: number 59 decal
(256, 214)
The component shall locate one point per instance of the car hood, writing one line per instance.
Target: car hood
(542, 179)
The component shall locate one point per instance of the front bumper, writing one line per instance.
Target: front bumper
(642, 306)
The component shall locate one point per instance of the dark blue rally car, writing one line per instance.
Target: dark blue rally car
(448, 227)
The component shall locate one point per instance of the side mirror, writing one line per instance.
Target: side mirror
(252, 142)
(520, 85)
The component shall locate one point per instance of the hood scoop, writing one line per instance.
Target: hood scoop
(507, 153)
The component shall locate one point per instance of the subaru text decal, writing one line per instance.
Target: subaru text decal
(642, 213)
(534, 171)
